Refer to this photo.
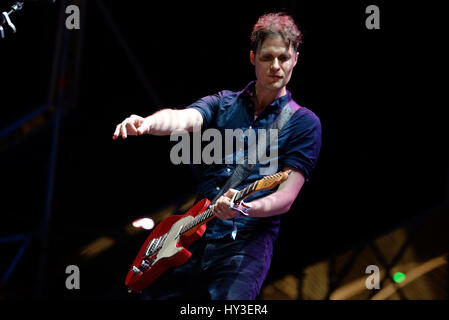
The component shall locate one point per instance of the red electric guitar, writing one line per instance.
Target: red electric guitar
(166, 246)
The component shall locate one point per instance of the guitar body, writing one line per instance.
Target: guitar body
(172, 251)
(166, 246)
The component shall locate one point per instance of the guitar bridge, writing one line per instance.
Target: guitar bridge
(154, 246)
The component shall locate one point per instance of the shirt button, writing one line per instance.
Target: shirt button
(218, 188)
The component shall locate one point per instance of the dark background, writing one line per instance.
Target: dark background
(383, 160)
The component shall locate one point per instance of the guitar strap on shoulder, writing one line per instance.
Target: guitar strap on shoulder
(242, 171)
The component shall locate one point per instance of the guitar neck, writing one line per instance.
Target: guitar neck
(208, 214)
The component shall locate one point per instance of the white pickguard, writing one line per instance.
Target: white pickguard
(169, 247)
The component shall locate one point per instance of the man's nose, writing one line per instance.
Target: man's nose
(275, 65)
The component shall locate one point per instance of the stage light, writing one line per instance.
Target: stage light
(145, 223)
(398, 277)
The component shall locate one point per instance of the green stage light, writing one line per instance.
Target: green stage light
(398, 277)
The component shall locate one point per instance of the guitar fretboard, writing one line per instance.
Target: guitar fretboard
(201, 218)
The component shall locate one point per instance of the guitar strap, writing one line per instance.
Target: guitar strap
(243, 170)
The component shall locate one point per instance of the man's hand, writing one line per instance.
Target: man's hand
(132, 126)
(273, 204)
(221, 207)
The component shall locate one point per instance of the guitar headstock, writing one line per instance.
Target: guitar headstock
(273, 180)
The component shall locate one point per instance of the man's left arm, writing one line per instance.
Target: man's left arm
(301, 154)
(273, 204)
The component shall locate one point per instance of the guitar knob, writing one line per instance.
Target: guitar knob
(145, 264)
(135, 270)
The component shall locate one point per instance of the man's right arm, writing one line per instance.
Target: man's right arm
(161, 123)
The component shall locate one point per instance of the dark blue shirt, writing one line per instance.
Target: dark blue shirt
(299, 144)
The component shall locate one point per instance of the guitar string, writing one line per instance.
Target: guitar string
(208, 213)
(240, 195)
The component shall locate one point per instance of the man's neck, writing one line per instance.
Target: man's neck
(263, 97)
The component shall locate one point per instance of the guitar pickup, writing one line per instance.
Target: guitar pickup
(161, 242)
(156, 245)
(150, 248)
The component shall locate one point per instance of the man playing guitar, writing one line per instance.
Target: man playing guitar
(224, 267)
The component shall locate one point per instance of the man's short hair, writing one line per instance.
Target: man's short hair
(272, 24)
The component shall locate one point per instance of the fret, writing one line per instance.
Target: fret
(242, 194)
(246, 191)
(196, 221)
(208, 213)
(254, 185)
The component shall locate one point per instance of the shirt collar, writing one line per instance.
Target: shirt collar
(277, 104)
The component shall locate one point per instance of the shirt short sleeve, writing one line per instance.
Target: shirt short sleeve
(304, 142)
(208, 107)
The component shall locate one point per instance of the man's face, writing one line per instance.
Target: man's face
(274, 63)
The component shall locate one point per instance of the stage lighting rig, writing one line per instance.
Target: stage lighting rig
(5, 17)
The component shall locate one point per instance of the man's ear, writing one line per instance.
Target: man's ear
(252, 58)
(296, 58)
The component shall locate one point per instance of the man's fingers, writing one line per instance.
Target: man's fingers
(130, 126)
(218, 208)
(116, 132)
(221, 208)
(144, 127)
(131, 129)
(222, 203)
(123, 130)
(230, 193)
